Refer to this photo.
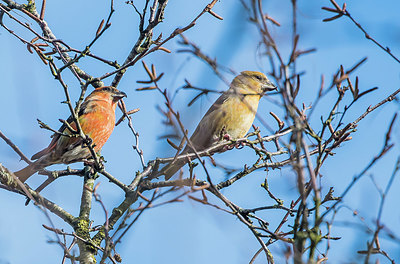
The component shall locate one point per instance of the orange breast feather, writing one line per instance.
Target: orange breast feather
(98, 125)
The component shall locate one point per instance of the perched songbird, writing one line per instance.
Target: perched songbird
(230, 116)
(97, 120)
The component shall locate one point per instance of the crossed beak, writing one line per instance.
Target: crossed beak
(119, 95)
(268, 87)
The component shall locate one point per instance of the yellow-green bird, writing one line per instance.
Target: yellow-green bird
(232, 115)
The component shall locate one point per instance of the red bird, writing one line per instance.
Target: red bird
(97, 120)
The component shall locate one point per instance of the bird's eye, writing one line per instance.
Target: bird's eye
(258, 77)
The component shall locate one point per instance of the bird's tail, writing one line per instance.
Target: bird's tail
(32, 168)
(169, 170)
(29, 170)
(26, 172)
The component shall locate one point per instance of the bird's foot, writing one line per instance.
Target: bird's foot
(91, 163)
(240, 144)
(227, 137)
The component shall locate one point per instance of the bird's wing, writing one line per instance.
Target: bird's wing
(210, 125)
(220, 101)
(52, 144)
(55, 138)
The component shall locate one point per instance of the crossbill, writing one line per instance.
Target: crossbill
(97, 120)
(231, 115)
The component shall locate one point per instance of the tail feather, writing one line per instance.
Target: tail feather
(170, 169)
(44, 184)
(32, 168)
(26, 172)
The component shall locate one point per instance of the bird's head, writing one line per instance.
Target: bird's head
(107, 93)
(252, 82)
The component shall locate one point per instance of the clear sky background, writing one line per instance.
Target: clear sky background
(189, 232)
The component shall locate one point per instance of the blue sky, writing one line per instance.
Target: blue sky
(189, 232)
